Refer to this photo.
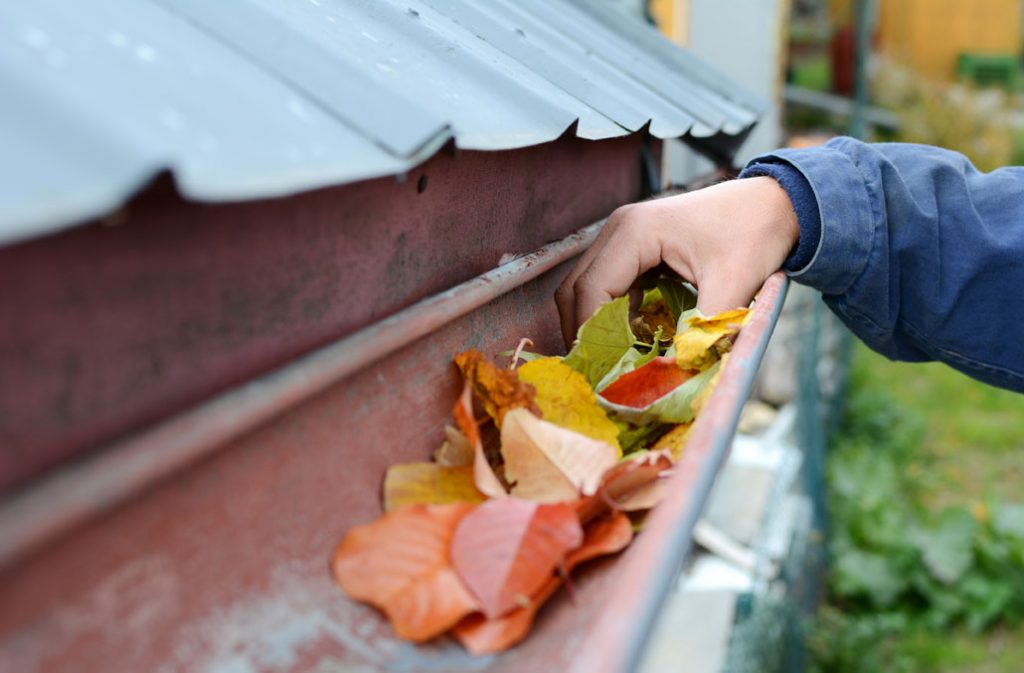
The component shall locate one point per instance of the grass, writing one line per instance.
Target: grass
(972, 449)
(919, 441)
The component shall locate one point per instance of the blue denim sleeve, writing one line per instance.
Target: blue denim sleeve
(918, 252)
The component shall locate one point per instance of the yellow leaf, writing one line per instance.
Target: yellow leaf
(674, 441)
(702, 397)
(704, 340)
(565, 398)
(548, 463)
(428, 484)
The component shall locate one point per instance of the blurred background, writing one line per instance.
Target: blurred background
(915, 547)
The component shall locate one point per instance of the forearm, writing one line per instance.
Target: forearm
(917, 252)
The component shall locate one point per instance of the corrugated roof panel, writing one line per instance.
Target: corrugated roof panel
(245, 99)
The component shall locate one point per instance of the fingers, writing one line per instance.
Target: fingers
(565, 297)
(626, 248)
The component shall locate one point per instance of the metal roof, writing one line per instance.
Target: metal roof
(246, 99)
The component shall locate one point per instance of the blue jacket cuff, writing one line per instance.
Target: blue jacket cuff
(845, 221)
(801, 195)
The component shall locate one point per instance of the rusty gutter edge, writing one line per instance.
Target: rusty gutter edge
(56, 503)
(617, 643)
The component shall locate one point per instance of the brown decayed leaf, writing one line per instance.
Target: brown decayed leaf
(704, 340)
(480, 635)
(401, 564)
(565, 398)
(497, 389)
(428, 484)
(548, 463)
(486, 481)
(674, 441)
(506, 550)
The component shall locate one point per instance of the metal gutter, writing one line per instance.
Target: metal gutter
(57, 503)
(658, 554)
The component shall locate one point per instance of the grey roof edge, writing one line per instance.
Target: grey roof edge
(223, 178)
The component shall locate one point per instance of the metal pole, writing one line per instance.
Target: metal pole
(863, 12)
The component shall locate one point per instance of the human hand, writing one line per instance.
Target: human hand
(725, 239)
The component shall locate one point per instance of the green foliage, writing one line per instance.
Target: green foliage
(903, 568)
(602, 341)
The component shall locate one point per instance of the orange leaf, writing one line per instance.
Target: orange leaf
(498, 389)
(401, 564)
(549, 463)
(506, 550)
(480, 635)
(483, 475)
(647, 384)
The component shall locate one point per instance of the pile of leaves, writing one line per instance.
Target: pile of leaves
(548, 464)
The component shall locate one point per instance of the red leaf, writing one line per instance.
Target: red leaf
(647, 384)
(480, 635)
(506, 550)
(401, 564)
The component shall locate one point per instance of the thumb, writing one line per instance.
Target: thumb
(715, 295)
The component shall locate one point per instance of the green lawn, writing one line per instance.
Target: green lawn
(925, 466)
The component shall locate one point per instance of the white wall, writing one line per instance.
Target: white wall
(744, 39)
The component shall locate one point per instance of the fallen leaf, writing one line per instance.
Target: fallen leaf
(497, 389)
(643, 386)
(401, 564)
(630, 360)
(480, 635)
(506, 550)
(701, 398)
(548, 463)
(704, 340)
(483, 474)
(456, 451)
(639, 483)
(602, 340)
(676, 406)
(634, 484)
(655, 320)
(565, 398)
(428, 484)
(674, 441)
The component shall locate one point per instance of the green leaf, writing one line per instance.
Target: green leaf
(948, 550)
(635, 437)
(602, 341)
(675, 407)
(1008, 519)
(860, 574)
(678, 297)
